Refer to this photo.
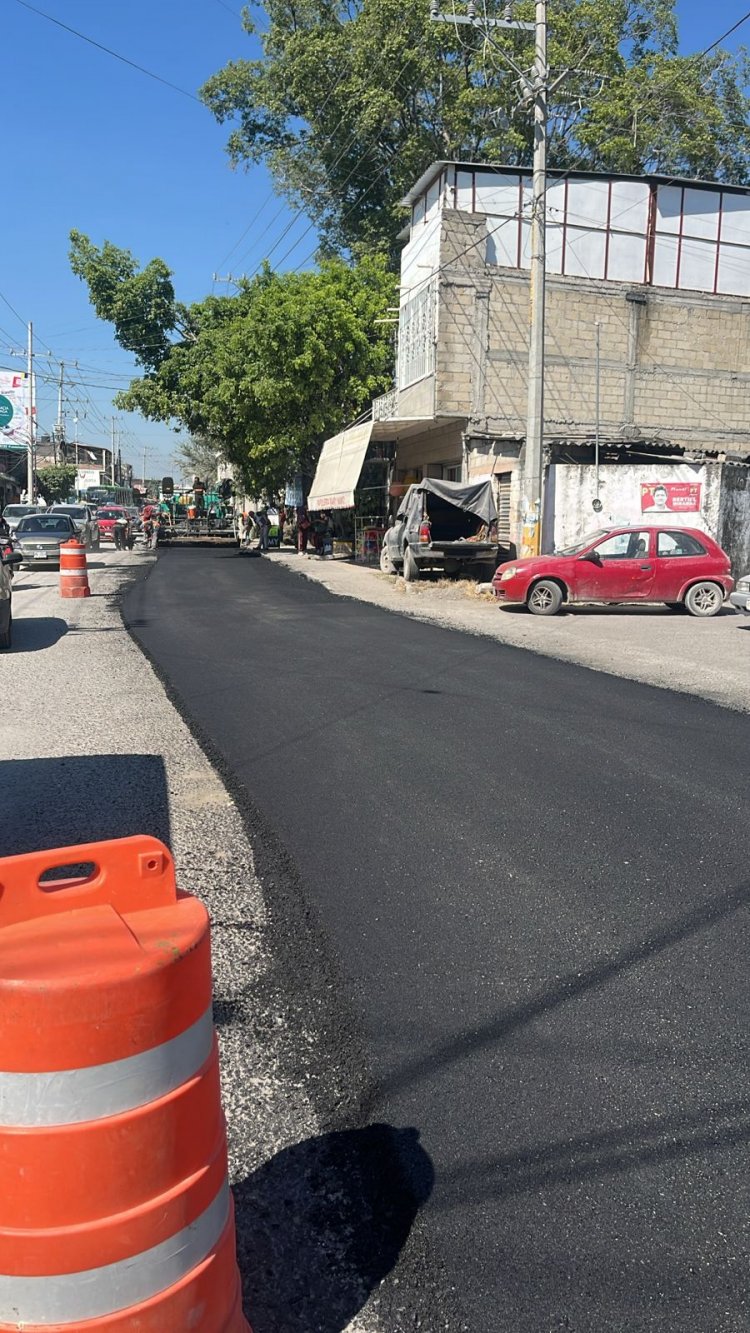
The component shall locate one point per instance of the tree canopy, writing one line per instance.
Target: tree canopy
(350, 102)
(56, 482)
(264, 376)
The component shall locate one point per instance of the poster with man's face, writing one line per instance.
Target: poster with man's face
(670, 497)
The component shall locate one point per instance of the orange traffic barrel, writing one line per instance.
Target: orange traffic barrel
(115, 1210)
(74, 579)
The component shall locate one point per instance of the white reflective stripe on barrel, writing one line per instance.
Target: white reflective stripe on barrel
(70, 1096)
(68, 1298)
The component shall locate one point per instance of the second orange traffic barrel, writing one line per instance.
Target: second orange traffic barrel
(115, 1211)
(74, 578)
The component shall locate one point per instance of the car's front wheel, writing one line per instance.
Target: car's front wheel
(704, 599)
(545, 598)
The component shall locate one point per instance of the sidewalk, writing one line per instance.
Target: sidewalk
(710, 658)
(91, 747)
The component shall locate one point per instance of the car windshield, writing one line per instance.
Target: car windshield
(582, 543)
(75, 511)
(109, 513)
(18, 511)
(45, 524)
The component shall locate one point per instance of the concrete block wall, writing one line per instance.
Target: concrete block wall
(673, 365)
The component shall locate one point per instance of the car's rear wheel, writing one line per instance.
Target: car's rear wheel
(386, 561)
(6, 637)
(411, 568)
(545, 598)
(704, 599)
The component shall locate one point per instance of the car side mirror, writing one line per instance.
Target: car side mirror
(12, 558)
(592, 557)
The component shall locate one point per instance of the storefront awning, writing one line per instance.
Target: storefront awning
(338, 469)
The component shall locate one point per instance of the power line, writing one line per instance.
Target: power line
(108, 51)
(726, 34)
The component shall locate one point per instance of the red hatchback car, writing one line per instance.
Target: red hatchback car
(106, 520)
(677, 566)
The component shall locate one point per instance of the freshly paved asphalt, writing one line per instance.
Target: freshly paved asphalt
(531, 882)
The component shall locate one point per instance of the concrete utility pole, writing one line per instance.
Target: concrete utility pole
(32, 416)
(112, 462)
(59, 432)
(534, 90)
(144, 471)
(532, 457)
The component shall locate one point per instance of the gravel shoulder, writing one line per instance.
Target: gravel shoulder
(710, 658)
(92, 747)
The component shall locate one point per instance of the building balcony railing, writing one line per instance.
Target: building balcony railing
(385, 408)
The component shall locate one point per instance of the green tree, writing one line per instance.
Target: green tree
(56, 483)
(350, 103)
(261, 377)
(197, 457)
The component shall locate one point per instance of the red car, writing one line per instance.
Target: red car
(106, 520)
(677, 566)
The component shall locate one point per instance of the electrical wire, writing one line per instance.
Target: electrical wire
(108, 51)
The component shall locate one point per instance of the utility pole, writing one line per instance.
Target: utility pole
(532, 457)
(112, 463)
(32, 416)
(143, 478)
(59, 432)
(535, 90)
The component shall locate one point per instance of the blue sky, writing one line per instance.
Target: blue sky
(93, 144)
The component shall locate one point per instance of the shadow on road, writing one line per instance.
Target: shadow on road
(33, 633)
(82, 798)
(595, 1155)
(323, 1222)
(567, 988)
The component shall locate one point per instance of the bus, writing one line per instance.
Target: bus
(99, 496)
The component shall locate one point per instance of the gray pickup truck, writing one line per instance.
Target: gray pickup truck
(445, 525)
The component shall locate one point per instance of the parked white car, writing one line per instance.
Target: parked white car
(741, 595)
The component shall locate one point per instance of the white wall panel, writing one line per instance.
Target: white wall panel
(420, 256)
(734, 271)
(665, 261)
(626, 261)
(431, 201)
(584, 253)
(496, 195)
(525, 244)
(697, 265)
(630, 200)
(587, 203)
(502, 242)
(554, 247)
(556, 202)
(464, 199)
(701, 214)
(668, 208)
(735, 219)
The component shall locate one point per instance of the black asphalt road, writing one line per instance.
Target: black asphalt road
(533, 881)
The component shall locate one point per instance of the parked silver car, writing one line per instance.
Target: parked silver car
(39, 537)
(741, 595)
(85, 522)
(15, 512)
